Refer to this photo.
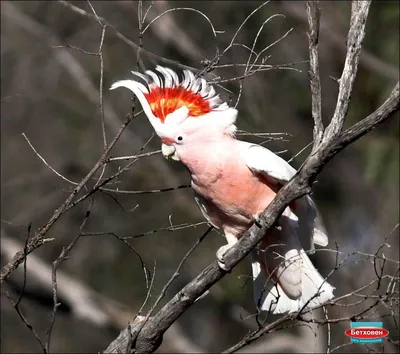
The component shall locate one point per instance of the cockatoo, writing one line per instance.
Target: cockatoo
(233, 182)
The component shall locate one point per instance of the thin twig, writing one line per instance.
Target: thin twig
(16, 304)
(169, 228)
(101, 103)
(241, 26)
(184, 9)
(27, 324)
(256, 39)
(173, 277)
(45, 162)
(161, 190)
(133, 157)
(61, 258)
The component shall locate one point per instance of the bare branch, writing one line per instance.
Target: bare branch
(133, 157)
(270, 46)
(359, 13)
(17, 303)
(27, 324)
(44, 161)
(242, 24)
(182, 9)
(313, 15)
(61, 258)
(146, 192)
(258, 35)
(169, 228)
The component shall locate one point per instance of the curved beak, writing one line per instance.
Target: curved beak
(169, 152)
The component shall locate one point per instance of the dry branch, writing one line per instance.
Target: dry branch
(314, 14)
(358, 21)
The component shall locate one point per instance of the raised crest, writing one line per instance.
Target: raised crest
(166, 92)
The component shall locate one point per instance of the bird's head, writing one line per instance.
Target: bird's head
(183, 110)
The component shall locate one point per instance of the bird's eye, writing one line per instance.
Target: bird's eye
(179, 138)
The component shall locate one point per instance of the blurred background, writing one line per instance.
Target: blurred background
(50, 93)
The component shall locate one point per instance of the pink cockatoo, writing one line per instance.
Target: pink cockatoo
(233, 182)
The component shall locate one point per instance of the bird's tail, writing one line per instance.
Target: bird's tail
(284, 278)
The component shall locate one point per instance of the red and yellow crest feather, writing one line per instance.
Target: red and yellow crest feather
(164, 101)
(165, 93)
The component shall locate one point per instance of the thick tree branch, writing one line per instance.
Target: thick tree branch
(313, 15)
(359, 14)
(151, 334)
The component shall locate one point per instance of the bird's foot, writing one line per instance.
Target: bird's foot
(220, 256)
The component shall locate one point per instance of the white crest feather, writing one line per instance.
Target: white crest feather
(155, 77)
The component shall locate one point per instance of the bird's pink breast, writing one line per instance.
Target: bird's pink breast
(230, 193)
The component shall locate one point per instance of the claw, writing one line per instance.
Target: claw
(222, 266)
(220, 256)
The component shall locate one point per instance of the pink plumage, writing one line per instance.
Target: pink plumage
(233, 182)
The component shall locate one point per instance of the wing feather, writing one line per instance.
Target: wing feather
(276, 170)
(264, 161)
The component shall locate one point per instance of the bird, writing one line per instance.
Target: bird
(233, 182)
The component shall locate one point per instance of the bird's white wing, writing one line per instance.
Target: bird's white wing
(276, 170)
(264, 161)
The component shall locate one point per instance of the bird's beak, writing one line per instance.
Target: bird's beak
(169, 152)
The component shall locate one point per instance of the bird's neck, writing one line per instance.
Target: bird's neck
(207, 160)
